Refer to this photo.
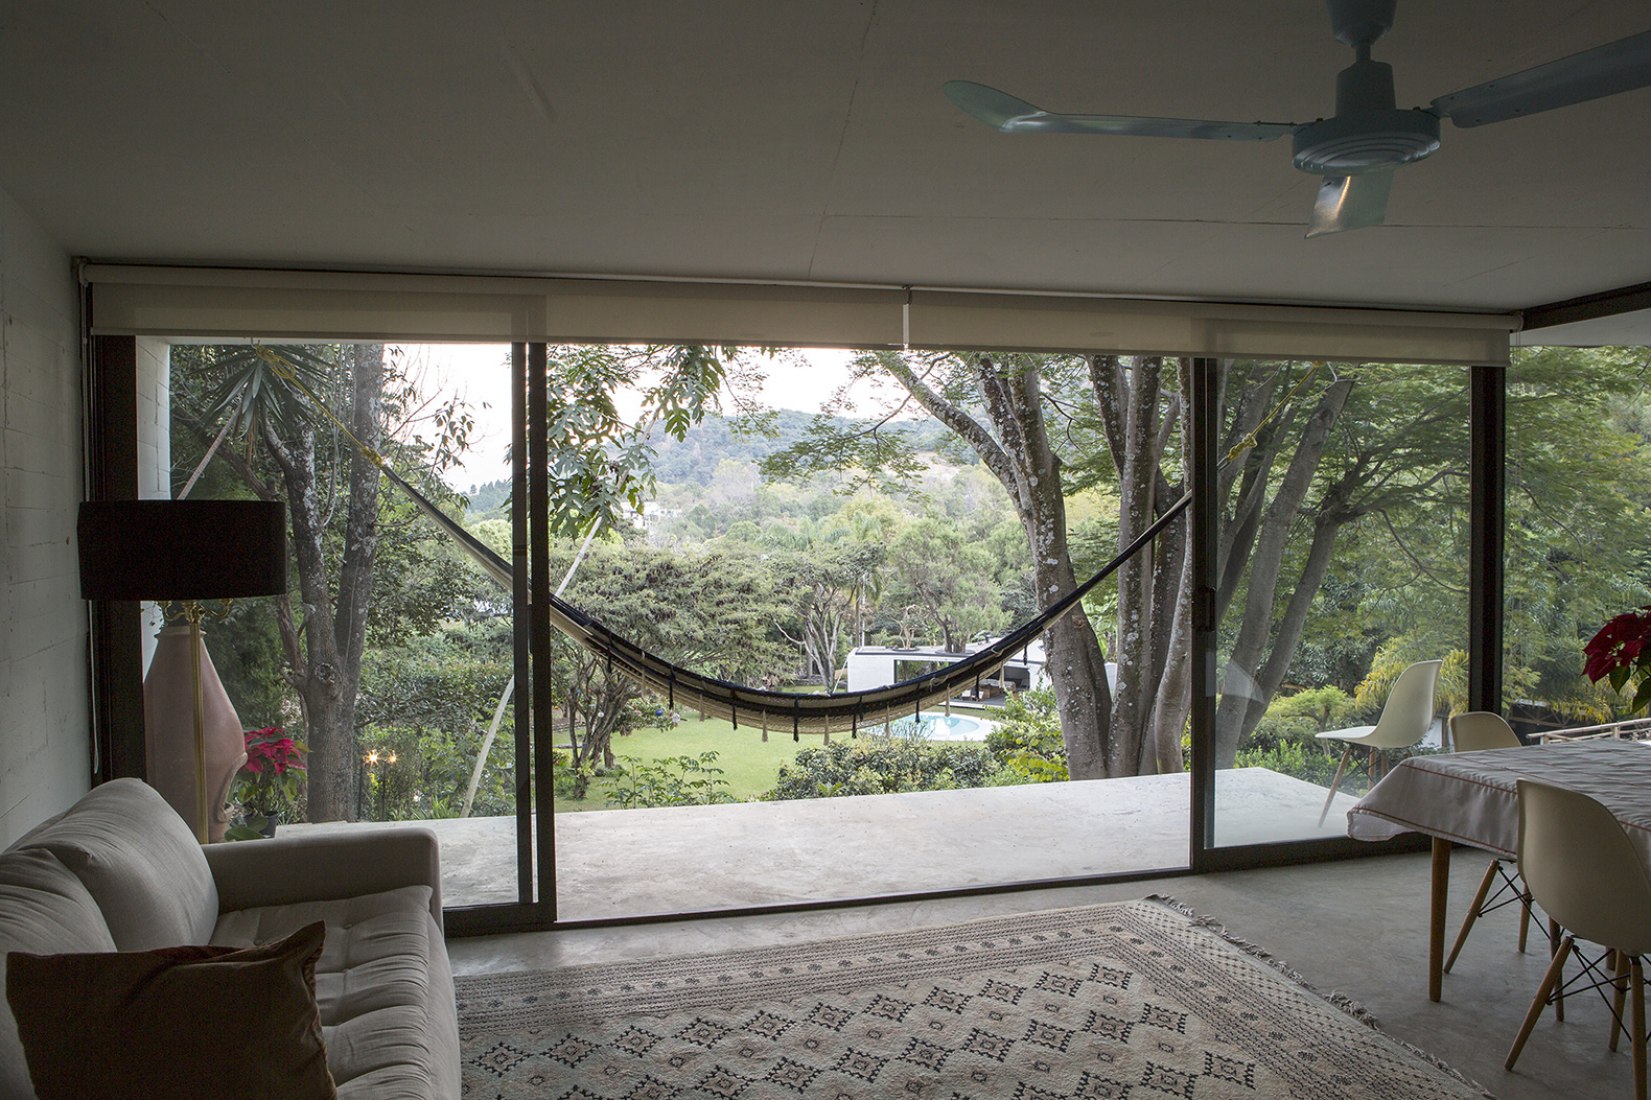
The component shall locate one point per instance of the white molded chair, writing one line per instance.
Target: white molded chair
(1478, 731)
(1582, 868)
(1405, 719)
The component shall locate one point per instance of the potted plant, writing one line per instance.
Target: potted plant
(269, 784)
(1622, 651)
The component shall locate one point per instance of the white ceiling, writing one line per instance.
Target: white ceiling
(799, 140)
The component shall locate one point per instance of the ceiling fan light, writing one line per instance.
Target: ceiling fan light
(1365, 142)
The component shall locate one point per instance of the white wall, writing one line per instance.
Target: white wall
(45, 740)
(154, 400)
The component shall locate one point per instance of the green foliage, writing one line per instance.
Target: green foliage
(1026, 740)
(567, 780)
(712, 612)
(882, 765)
(420, 579)
(271, 782)
(430, 702)
(600, 465)
(1328, 706)
(948, 581)
(675, 781)
(1579, 422)
(1273, 731)
(1292, 757)
(418, 773)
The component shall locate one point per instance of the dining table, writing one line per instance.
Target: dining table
(1471, 798)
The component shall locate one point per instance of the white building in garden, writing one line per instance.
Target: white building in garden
(878, 666)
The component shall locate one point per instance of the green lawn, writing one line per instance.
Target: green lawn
(749, 765)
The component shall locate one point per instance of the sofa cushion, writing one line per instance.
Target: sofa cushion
(44, 909)
(156, 1022)
(383, 985)
(138, 858)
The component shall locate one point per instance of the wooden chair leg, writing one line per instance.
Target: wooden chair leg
(1524, 919)
(1549, 979)
(1336, 782)
(1638, 994)
(1619, 992)
(1473, 912)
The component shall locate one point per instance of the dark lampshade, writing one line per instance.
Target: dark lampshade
(182, 549)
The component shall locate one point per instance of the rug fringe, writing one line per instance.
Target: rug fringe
(1347, 1004)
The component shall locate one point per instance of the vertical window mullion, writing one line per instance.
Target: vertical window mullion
(1487, 510)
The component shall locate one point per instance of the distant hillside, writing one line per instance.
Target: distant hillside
(487, 501)
(694, 458)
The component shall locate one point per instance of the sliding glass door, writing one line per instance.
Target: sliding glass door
(1338, 574)
(380, 692)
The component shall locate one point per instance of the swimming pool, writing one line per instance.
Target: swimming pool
(934, 726)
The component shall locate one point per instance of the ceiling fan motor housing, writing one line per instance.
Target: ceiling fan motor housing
(1367, 133)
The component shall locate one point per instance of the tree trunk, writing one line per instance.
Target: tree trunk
(1154, 587)
(1243, 698)
(1026, 463)
(333, 628)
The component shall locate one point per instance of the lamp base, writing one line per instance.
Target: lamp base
(169, 722)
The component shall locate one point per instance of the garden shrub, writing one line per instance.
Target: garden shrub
(420, 773)
(882, 765)
(672, 781)
(1308, 762)
(568, 782)
(1329, 706)
(1271, 732)
(1026, 743)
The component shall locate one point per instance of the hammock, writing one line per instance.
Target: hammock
(839, 712)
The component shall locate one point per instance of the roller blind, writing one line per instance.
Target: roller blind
(234, 303)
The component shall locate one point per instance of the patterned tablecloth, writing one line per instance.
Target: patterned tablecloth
(1470, 796)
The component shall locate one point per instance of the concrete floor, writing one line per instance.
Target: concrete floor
(1356, 927)
(626, 863)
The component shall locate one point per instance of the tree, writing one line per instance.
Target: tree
(278, 404)
(949, 579)
(1039, 424)
(825, 584)
(997, 406)
(712, 612)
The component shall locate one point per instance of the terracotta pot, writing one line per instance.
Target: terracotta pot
(169, 723)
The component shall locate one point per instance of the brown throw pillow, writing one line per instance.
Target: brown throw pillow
(198, 1022)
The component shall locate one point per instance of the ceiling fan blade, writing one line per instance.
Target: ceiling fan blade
(1004, 112)
(1351, 202)
(1619, 66)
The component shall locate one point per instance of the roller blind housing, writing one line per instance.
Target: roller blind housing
(235, 303)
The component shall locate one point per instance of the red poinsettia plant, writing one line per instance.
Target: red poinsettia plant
(1621, 651)
(271, 780)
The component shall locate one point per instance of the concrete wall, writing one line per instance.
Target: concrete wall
(45, 740)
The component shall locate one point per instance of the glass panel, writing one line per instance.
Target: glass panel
(1342, 562)
(377, 691)
(1579, 421)
(853, 520)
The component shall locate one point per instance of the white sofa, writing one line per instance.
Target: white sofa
(120, 870)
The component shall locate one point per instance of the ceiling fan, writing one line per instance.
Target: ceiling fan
(1358, 148)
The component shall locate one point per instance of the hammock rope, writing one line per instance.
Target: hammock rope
(717, 698)
(805, 713)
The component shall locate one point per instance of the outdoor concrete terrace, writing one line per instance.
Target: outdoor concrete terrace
(616, 863)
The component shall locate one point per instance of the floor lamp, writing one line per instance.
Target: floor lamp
(184, 553)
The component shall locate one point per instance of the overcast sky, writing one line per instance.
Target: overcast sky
(481, 374)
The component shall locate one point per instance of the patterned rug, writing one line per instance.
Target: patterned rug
(1135, 999)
